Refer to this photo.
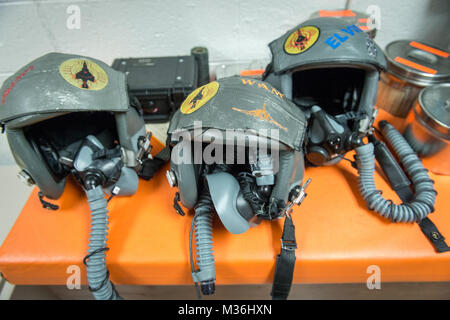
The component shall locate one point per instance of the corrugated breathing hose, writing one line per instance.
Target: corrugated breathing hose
(202, 223)
(97, 272)
(424, 192)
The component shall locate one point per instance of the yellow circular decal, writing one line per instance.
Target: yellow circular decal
(301, 40)
(199, 97)
(83, 74)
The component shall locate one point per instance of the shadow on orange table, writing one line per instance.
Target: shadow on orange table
(338, 237)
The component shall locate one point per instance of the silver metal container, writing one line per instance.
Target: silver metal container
(428, 129)
(411, 66)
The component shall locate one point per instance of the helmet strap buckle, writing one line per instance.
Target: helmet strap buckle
(46, 204)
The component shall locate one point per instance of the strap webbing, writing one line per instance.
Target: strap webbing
(151, 166)
(284, 267)
(106, 153)
(432, 233)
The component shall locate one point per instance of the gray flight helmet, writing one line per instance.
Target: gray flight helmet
(53, 103)
(326, 62)
(259, 115)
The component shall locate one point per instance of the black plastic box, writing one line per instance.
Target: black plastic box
(160, 83)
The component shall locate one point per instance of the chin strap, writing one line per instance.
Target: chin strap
(430, 230)
(285, 263)
(149, 166)
(176, 205)
(46, 204)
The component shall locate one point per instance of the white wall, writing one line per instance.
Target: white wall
(232, 30)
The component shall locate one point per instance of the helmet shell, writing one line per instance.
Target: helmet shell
(240, 103)
(54, 83)
(324, 41)
(45, 92)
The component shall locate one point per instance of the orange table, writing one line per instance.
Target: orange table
(338, 238)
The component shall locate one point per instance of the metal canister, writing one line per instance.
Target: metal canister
(428, 130)
(360, 19)
(411, 66)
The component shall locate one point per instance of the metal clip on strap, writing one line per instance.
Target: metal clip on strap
(144, 147)
(288, 245)
(298, 197)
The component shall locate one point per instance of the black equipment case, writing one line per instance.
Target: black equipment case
(162, 83)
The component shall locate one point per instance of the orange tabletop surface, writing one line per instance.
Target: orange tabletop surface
(338, 237)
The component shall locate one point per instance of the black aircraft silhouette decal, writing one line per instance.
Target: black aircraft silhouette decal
(85, 75)
(195, 100)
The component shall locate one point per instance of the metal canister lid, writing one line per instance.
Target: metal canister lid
(433, 108)
(417, 62)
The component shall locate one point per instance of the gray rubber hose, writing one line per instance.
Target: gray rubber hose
(206, 273)
(424, 192)
(97, 273)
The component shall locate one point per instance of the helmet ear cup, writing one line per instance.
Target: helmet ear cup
(49, 155)
(350, 99)
(185, 174)
(33, 163)
(287, 163)
(130, 127)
